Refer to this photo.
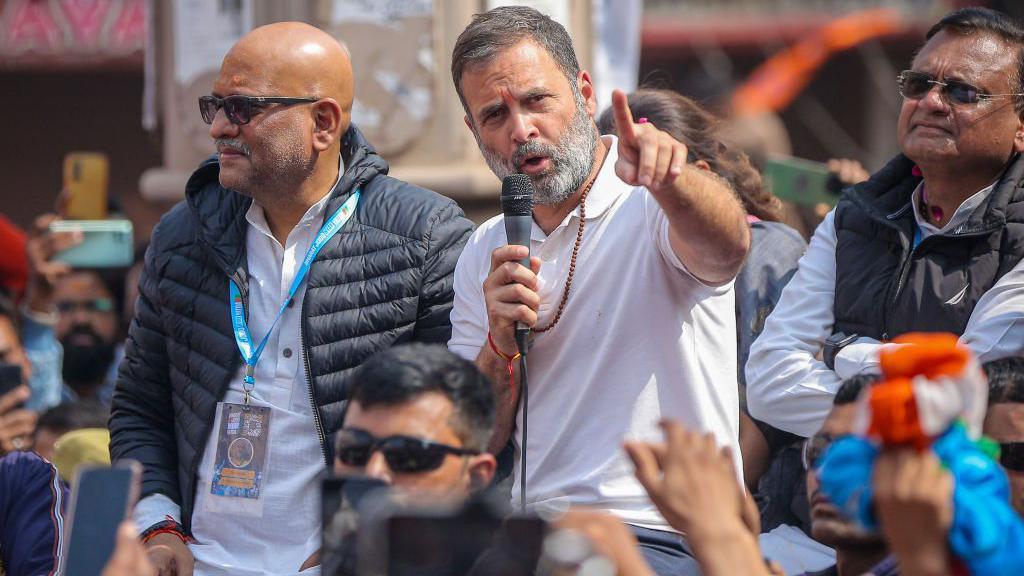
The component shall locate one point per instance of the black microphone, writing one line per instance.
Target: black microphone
(517, 204)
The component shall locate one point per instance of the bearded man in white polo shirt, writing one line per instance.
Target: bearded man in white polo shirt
(629, 296)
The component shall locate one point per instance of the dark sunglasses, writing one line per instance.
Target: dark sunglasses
(814, 447)
(404, 454)
(915, 85)
(95, 305)
(1011, 456)
(239, 108)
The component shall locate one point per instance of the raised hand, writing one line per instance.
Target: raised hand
(44, 271)
(16, 423)
(648, 156)
(690, 479)
(914, 503)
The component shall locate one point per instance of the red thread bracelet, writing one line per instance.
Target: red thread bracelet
(166, 526)
(509, 359)
(175, 531)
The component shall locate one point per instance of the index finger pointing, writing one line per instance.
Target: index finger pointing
(624, 125)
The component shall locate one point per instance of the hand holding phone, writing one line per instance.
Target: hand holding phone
(16, 423)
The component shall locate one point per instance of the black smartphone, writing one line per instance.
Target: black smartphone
(10, 379)
(101, 498)
(341, 504)
(473, 541)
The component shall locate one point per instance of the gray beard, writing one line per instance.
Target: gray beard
(571, 160)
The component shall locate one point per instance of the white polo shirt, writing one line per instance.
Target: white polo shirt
(640, 340)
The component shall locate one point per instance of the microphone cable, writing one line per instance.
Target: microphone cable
(524, 395)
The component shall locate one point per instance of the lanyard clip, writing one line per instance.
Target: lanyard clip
(248, 381)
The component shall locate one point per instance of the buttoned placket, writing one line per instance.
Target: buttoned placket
(551, 250)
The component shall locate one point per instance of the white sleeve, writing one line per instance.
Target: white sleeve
(788, 386)
(996, 327)
(659, 230)
(861, 357)
(469, 310)
(153, 509)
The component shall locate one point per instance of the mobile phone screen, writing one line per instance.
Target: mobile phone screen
(101, 499)
(10, 377)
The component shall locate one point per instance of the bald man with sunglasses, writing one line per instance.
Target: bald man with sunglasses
(932, 242)
(293, 258)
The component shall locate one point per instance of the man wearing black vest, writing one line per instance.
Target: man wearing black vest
(932, 242)
(292, 259)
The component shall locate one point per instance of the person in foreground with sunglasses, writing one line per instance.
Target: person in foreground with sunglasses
(933, 242)
(293, 258)
(419, 418)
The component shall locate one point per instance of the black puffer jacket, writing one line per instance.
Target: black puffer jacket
(384, 279)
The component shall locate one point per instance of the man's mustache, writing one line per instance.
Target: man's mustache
(233, 144)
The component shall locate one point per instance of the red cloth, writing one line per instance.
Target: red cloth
(13, 260)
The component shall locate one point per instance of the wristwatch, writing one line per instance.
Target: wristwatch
(835, 343)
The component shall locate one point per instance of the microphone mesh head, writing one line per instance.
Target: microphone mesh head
(517, 195)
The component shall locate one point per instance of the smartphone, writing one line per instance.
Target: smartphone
(101, 498)
(86, 178)
(472, 541)
(106, 244)
(342, 500)
(801, 181)
(10, 379)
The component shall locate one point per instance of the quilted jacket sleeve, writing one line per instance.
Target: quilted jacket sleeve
(142, 417)
(445, 239)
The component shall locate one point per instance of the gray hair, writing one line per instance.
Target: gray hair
(499, 29)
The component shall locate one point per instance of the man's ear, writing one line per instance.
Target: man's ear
(481, 471)
(1018, 138)
(586, 87)
(329, 123)
(703, 165)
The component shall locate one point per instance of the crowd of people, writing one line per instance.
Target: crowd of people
(695, 367)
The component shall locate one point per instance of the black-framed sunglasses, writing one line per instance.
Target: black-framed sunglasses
(814, 447)
(1011, 456)
(404, 454)
(915, 85)
(239, 108)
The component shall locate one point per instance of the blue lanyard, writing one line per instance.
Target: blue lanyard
(241, 327)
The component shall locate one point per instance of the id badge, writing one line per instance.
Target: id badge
(240, 465)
